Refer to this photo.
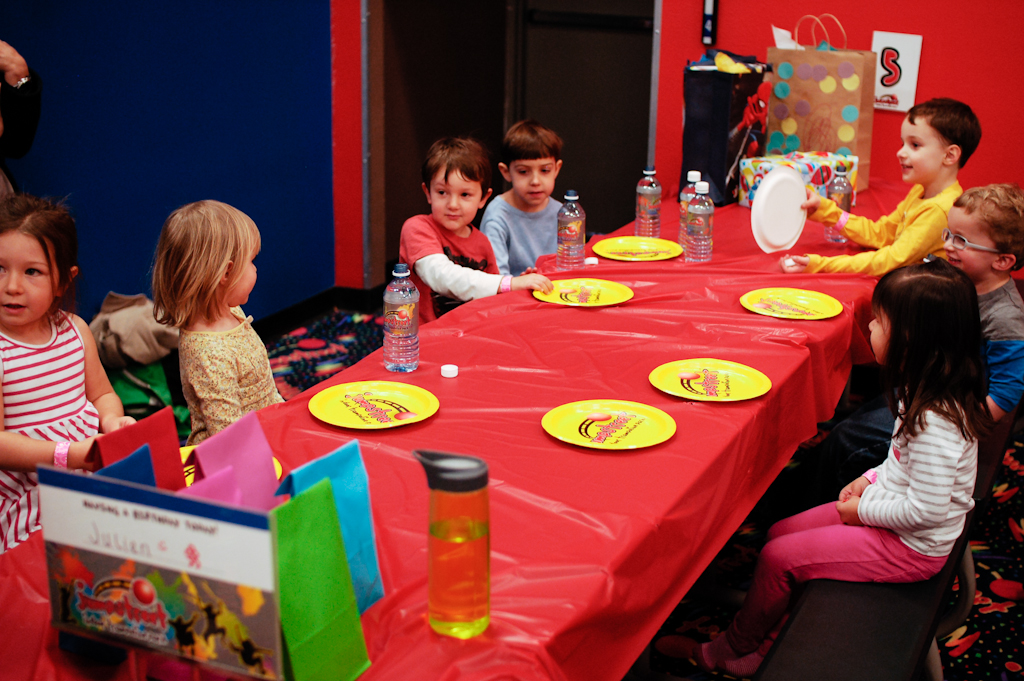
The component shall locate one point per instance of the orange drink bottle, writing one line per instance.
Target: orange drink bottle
(459, 544)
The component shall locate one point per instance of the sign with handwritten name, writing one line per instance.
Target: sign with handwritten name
(177, 574)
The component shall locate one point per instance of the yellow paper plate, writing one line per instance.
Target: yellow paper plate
(373, 405)
(586, 293)
(634, 248)
(710, 380)
(609, 424)
(791, 303)
(190, 471)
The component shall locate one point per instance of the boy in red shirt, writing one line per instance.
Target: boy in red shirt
(451, 261)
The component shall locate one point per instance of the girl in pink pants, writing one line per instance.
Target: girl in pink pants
(898, 522)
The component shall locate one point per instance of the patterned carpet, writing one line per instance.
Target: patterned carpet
(308, 355)
(990, 645)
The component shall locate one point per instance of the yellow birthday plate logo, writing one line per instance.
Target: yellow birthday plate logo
(637, 248)
(373, 405)
(586, 293)
(609, 424)
(710, 380)
(190, 469)
(791, 303)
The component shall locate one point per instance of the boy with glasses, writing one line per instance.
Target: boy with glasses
(985, 239)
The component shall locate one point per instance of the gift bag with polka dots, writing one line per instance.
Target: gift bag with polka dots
(822, 99)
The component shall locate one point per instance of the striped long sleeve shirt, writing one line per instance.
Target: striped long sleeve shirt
(922, 491)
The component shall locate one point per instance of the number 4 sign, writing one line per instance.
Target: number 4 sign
(899, 59)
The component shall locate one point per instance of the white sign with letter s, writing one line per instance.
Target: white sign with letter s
(899, 60)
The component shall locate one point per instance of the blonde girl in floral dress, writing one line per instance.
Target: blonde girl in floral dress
(202, 275)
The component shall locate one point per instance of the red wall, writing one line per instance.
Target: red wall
(969, 53)
(347, 152)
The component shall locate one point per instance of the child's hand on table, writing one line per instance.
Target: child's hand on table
(77, 451)
(532, 282)
(794, 264)
(812, 203)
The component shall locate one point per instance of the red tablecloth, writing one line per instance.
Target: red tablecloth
(591, 550)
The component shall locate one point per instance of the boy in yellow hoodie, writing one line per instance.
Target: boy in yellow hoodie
(938, 137)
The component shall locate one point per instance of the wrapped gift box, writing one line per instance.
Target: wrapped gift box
(816, 167)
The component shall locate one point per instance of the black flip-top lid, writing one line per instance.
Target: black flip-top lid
(453, 472)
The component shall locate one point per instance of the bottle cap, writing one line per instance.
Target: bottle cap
(452, 472)
(592, 260)
(693, 176)
(401, 270)
(841, 169)
(649, 170)
(702, 187)
(449, 370)
(571, 195)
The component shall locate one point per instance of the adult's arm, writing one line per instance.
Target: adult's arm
(19, 107)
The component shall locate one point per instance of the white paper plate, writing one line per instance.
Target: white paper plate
(776, 217)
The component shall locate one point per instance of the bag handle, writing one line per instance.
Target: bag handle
(838, 23)
(796, 29)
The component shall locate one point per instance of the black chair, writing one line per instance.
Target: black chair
(854, 631)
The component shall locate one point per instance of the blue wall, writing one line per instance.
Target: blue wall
(150, 105)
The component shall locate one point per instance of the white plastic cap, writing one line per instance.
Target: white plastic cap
(592, 260)
(702, 188)
(693, 176)
(449, 370)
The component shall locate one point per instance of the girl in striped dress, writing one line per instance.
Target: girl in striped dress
(899, 521)
(56, 396)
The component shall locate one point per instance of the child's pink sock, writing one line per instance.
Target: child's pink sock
(715, 653)
(745, 666)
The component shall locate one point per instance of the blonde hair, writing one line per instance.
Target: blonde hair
(1001, 208)
(197, 244)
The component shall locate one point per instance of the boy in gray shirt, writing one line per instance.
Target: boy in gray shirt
(522, 223)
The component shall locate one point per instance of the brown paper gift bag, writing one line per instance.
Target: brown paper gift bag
(822, 100)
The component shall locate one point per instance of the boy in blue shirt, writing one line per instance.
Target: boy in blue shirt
(985, 239)
(522, 223)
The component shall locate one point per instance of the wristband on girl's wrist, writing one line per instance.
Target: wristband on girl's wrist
(841, 222)
(60, 454)
(506, 284)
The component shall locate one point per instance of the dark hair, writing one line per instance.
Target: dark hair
(953, 120)
(50, 223)
(1000, 207)
(463, 154)
(933, 361)
(528, 140)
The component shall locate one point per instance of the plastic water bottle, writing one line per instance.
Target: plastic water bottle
(572, 233)
(648, 205)
(459, 544)
(700, 221)
(841, 192)
(401, 322)
(686, 195)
